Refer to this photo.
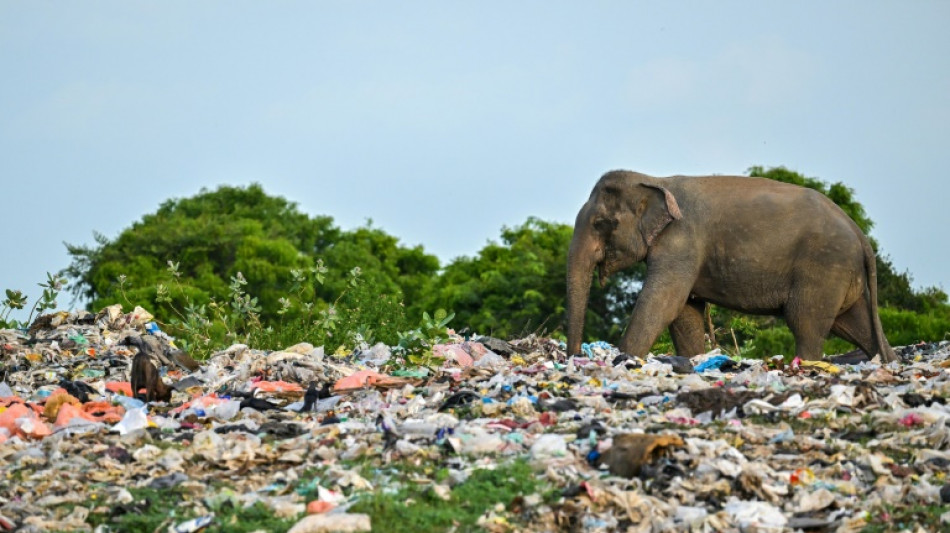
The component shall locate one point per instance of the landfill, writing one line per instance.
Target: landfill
(614, 442)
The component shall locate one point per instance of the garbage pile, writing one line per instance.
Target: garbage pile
(618, 443)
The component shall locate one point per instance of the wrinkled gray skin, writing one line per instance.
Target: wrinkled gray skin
(750, 244)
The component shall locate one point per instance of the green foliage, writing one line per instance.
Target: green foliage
(764, 343)
(16, 300)
(178, 262)
(511, 287)
(914, 517)
(416, 344)
(894, 290)
(404, 272)
(904, 327)
(415, 508)
(237, 265)
(213, 235)
(157, 510)
(517, 286)
(360, 316)
(210, 237)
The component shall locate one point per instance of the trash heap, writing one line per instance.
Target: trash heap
(616, 443)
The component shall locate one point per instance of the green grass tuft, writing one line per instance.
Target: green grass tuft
(415, 508)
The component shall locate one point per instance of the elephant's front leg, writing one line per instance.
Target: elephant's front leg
(660, 302)
(688, 330)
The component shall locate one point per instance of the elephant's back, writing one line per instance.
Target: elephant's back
(744, 220)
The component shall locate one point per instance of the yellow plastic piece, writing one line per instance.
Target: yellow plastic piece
(821, 365)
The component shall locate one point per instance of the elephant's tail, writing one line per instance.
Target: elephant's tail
(870, 265)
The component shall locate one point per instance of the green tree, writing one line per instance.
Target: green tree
(385, 264)
(214, 235)
(517, 286)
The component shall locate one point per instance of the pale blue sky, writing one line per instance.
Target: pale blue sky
(443, 121)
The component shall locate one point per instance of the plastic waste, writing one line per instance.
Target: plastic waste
(235, 434)
(134, 419)
(680, 365)
(549, 445)
(630, 452)
(377, 356)
(491, 360)
(713, 363)
(194, 524)
(128, 402)
(756, 514)
(332, 522)
(818, 365)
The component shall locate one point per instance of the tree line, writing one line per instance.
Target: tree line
(241, 253)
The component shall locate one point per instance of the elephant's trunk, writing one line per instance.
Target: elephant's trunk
(583, 257)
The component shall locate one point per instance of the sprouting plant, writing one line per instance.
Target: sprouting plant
(434, 327)
(416, 345)
(17, 300)
(122, 281)
(284, 306)
(328, 318)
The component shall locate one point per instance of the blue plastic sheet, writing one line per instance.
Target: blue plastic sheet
(713, 363)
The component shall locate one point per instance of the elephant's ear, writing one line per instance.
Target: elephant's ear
(658, 214)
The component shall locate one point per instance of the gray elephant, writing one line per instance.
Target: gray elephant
(753, 245)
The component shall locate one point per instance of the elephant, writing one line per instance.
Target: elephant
(753, 245)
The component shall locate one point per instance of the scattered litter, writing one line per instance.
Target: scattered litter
(820, 365)
(662, 443)
(713, 363)
(630, 452)
(193, 525)
(332, 523)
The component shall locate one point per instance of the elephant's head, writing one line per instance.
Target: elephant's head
(614, 230)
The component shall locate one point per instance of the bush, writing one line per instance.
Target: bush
(907, 327)
(765, 343)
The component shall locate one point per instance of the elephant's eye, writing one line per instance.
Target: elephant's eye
(605, 225)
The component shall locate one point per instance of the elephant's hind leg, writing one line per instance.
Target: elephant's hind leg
(810, 314)
(687, 331)
(855, 326)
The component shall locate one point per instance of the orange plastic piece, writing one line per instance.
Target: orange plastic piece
(319, 506)
(10, 415)
(9, 400)
(120, 387)
(108, 413)
(366, 378)
(68, 412)
(276, 386)
(358, 380)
